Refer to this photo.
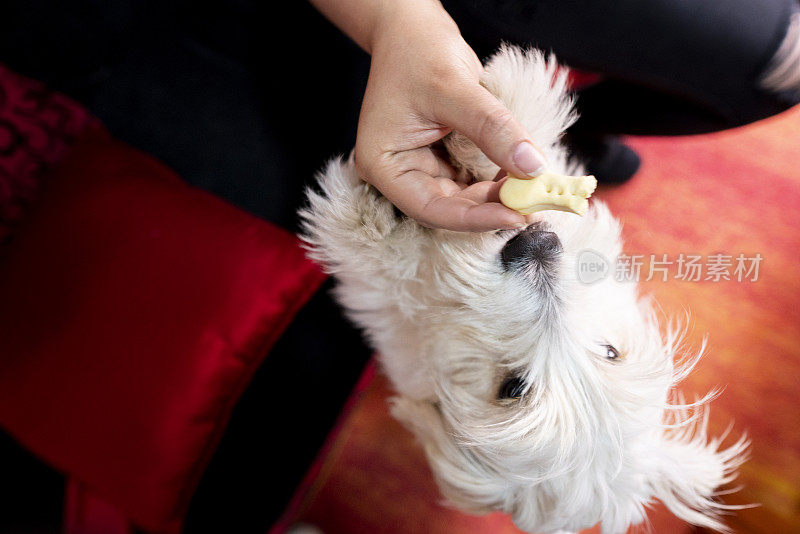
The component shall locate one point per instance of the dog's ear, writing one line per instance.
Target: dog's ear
(456, 472)
(534, 89)
(348, 225)
(689, 469)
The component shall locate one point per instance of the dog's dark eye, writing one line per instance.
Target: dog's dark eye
(611, 352)
(512, 388)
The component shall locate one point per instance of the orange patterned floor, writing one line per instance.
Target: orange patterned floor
(730, 193)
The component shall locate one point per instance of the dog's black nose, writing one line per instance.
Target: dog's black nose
(532, 244)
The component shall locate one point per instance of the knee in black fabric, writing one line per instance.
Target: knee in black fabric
(777, 88)
(783, 71)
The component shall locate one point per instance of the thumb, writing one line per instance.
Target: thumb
(477, 114)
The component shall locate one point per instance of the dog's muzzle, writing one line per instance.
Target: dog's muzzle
(530, 245)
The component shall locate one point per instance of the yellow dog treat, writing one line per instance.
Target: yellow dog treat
(548, 192)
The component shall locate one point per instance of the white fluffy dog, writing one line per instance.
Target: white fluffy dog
(531, 392)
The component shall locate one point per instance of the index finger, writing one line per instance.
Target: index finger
(443, 204)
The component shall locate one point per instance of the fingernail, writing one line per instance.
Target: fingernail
(516, 226)
(528, 159)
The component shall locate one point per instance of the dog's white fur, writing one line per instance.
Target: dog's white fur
(591, 439)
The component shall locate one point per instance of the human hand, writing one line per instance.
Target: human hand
(424, 82)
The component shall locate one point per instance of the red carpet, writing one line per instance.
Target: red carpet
(729, 193)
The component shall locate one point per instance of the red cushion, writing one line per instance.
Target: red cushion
(37, 126)
(133, 311)
(579, 79)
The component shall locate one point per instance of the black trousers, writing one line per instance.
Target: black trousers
(672, 66)
(248, 99)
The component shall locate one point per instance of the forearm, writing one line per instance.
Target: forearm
(364, 20)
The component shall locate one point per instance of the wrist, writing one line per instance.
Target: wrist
(396, 20)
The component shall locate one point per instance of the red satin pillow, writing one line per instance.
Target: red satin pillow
(134, 310)
(37, 127)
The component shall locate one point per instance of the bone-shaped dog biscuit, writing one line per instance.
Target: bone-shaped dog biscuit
(548, 191)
